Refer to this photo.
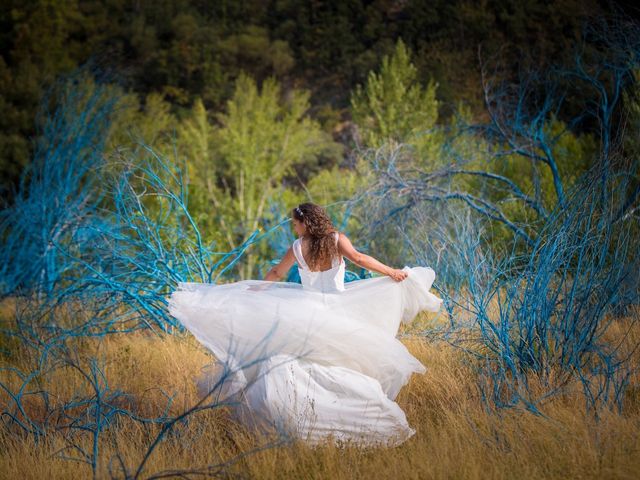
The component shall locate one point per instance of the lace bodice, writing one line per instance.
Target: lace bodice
(331, 280)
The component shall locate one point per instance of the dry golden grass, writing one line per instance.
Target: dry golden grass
(456, 437)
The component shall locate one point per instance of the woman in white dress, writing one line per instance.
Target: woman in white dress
(316, 360)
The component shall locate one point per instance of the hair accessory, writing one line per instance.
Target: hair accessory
(299, 211)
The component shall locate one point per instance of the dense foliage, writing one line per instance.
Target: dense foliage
(176, 53)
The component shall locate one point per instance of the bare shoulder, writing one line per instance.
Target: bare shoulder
(343, 238)
(345, 247)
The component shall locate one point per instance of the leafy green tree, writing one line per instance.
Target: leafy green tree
(149, 121)
(394, 106)
(238, 165)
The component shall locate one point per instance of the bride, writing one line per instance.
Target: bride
(316, 360)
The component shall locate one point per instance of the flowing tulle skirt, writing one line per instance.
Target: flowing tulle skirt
(311, 363)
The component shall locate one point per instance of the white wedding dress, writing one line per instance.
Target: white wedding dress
(313, 359)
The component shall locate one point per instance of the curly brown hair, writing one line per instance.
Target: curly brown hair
(320, 231)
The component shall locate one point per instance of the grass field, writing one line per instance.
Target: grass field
(456, 437)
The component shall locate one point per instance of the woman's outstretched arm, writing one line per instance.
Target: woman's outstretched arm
(366, 261)
(278, 271)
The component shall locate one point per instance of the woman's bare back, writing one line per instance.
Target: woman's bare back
(304, 246)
